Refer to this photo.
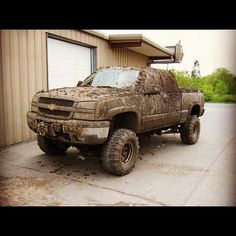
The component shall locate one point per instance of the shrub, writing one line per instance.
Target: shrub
(207, 91)
(221, 88)
(229, 98)
(217, 98)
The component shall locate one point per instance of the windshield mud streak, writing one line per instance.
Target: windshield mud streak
(115, 78)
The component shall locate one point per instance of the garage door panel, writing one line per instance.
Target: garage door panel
(67, 63)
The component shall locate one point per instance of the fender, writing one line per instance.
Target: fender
(192, 105)
(122, 109)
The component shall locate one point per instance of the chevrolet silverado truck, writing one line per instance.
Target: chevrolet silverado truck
(112, 109)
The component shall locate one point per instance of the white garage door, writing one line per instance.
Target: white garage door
(67, 63)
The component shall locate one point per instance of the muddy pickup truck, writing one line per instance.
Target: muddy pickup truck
(111, 109)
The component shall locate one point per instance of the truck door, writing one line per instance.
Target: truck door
(172, 99)
(154, 107)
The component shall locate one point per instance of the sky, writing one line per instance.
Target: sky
(212, 48)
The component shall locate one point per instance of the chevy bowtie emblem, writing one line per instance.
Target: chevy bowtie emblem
(52, 107)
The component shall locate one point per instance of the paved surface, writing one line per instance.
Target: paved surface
(167, 172)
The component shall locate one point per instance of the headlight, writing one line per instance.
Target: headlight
(34, 103)
(85, 110)
(86, 105)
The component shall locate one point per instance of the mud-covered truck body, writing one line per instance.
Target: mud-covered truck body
(111, 109)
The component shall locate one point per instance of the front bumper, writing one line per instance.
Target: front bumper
(72, 131)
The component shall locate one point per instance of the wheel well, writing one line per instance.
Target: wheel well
(127, 120)
(195, 110)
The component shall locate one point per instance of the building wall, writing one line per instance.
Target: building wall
(2, 123)
(23, 72)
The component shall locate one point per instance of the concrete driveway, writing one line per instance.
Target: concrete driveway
(167, 173)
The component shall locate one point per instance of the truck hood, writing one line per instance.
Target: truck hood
(79, 94)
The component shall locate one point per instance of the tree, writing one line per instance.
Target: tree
(196, 70)
(221, 88)
(208, 91)
(227, 77)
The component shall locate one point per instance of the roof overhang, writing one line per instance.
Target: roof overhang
(138, 43)
(97, 34)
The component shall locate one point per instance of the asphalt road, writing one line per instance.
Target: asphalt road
(167, 173)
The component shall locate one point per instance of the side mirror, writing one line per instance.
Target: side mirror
(79, 83)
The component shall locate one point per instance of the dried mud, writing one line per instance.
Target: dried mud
(159, 80)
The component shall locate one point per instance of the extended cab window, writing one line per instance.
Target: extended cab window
(170, 84)
(114, 78)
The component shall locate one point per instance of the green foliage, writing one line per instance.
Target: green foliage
(217, 98)
(224, 98)
(208, 91)
(220, 86)
(229, 98)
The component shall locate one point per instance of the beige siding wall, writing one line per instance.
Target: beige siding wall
(23, 72)
(2, 120)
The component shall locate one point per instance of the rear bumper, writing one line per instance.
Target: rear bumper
(72, 131)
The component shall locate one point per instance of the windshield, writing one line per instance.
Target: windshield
(115, 78)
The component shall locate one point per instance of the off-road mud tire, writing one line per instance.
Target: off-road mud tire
(190, 130)
(121, 142)
(51, 147)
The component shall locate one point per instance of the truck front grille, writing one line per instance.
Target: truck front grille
(55, 108)
(62, 114)
(58, 102)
